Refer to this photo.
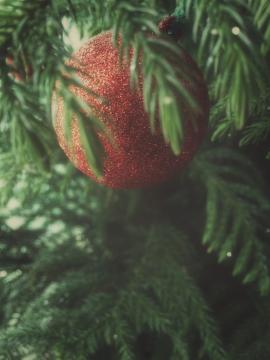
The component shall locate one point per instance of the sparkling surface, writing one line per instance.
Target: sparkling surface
(140, 158)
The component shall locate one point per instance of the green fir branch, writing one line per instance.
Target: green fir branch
(107, 313)
(162, 78)
(236, 214)
(178, 294)
(135, 23)
(229, 46)
(261, 11)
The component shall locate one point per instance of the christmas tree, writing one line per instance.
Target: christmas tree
(174, 270)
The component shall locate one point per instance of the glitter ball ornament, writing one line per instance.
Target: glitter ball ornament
(136, 157)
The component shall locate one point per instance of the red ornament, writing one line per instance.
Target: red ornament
(139, 158)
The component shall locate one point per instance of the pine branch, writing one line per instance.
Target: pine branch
(134, 22)
(222, 126)
(106, 312)
(47, 65)
(261, 11)
(256, 132)
(179, 294)
(256, 129)
(160, 86)
(229, 45)
(236, 214)
(31, 138)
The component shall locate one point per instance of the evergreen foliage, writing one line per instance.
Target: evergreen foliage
(91, 273)
(233, 202)
(110, 289)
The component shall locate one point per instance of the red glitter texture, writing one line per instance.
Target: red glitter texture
(139, 158)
